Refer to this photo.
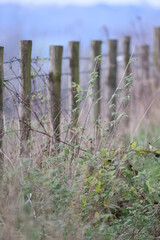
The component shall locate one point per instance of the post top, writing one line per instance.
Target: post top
(112, 40)
(157, 28)
(25, 41)
(74, 42)
(127, 37)
(56, 46)
(96, 41)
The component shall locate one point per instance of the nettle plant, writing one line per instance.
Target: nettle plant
(120, 194)
(105, 191)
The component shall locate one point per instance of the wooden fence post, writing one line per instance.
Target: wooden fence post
(96, 66)
(54, 89)
(126, 52)
(112, 77)
(145, 90)
(1, 109)
(145, 60)
(127, 69)
(25, 95)
(74, 71)
(156, 53)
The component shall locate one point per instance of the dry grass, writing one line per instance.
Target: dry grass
(45, 167)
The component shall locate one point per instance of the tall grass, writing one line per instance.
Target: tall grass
(104, 187)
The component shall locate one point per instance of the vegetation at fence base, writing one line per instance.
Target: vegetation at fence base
(121, 195)
(81, 188)
(109, 194)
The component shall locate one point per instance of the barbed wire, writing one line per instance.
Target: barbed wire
(42, 59)
(40, 73)
(12, 60)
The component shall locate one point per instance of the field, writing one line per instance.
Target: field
(72, 178)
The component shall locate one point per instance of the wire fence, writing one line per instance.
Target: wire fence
(75, 86)
(40, 75)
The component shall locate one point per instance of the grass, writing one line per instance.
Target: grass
(88, 195)
(104, 188)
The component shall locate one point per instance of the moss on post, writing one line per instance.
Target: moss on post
(54, 89)
(127, 69)
(25, 95)
(74, 71)
(112, 76)
(96, 66)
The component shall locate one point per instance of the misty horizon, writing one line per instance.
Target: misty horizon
(51, 25)
(81, 3)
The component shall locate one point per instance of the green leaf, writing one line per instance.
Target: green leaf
(66, 150)
(98, 188)
(98, 58)
(84, 200)
(104, 152)
(146, 188)
(133, 145)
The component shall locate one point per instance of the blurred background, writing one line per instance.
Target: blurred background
(53, 22)
(49, 22)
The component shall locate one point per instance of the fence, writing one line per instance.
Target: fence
(41, 77)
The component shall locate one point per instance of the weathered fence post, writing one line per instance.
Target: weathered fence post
(25, 95)
(112, 77)
(156, 53)
(145, 60)
(127, 69)
(146, 86)
(96, 66)
(1, 109)
(126, 52)
(54, 89)
(74, 71)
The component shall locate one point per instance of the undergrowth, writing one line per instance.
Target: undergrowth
(106, 195)
(81, 189)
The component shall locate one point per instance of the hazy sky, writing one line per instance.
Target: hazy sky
(155, 3)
